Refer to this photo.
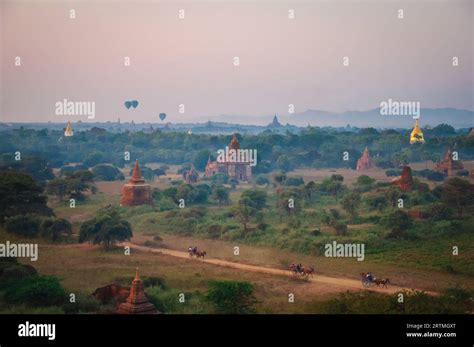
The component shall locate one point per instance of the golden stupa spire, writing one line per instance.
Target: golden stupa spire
(68, 131)
(416, 134)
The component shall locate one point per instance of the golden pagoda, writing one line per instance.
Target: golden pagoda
(416, 134)
(68, 131)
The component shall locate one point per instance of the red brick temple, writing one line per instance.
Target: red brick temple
(241, 171)
(137, 302)
(405, 181)
(365, 162)
(136, 191)
(448, 164)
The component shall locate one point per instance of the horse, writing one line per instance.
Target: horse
(382, 282)
(295, 270)
(201, 254)
(308, 271)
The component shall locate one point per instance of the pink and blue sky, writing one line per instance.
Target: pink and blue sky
(190, 61)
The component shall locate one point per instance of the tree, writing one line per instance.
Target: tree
(244, 211)
(105, 229)
(458, 194)
(365, 180)
(160, 171)
(94, 158)
(232, 297)
(283, 163)
(220, 194)
(393, 194)
(340, 228)
(24, 225)
(283, 203)
(255, 198)
(280, 177)
(261, 180)
(350, 203)
(107, 172)
(294, 181)
(336, 187)
(38, 168)
(220, 178)
(200, 158)
(55, 228)
(398, 222)
(72, 186)
(19, 195)
(443, 130)
(310, 191)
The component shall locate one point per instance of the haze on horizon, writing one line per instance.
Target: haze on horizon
(190, 61)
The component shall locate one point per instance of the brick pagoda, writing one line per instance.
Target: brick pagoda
(137, 302)
(365, 162)
(448, 164)
(136, 191)
(405, 181)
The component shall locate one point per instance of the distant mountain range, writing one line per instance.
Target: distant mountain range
(457, 118)
(225, 124)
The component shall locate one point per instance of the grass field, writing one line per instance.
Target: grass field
(423, 264)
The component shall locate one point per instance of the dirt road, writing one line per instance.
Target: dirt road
(343, 283)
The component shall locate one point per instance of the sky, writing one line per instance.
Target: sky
(190, 61)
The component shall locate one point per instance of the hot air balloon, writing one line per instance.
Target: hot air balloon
(162, 116)
(128, 104)
(134, 103)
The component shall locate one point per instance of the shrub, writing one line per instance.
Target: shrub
(214, 231)
(220, 178)
(232, 296)
(439, 211)
(83, 304)
(398, 222)
(294, 181)
(154, 282)
(24, 225)
(261, 180)
(36, 291)
(17, 272)
(55, 228)
(106, 172)
(156, 194)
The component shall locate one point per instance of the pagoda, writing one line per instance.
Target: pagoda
(405, 181)
(239, 170)
(68, 131)
(448, 164)
(416, 135)
(137, 302)
(275, 123)
(365, 162)
(136, 191)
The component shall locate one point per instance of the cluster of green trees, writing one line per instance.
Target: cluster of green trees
(312, 147)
